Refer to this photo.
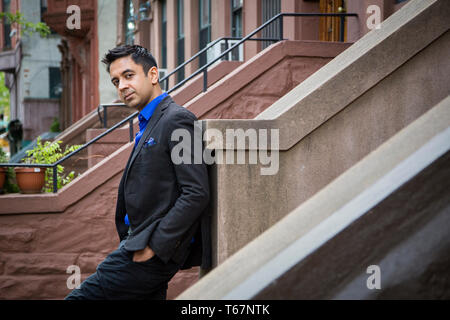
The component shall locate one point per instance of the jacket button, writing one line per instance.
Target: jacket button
(177, 244)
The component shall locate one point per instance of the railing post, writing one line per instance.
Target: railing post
(281, 27)
(226, 48)
(205, 79)
(55, 177)
(105, 121)
(131, 129)
(342, 38)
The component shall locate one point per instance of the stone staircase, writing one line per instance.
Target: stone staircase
(361, 182)
(388, 216)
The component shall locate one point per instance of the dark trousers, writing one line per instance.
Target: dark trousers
(119, 277)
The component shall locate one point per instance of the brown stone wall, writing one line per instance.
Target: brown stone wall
(195, 86)
(253, 87)
(106, 145)
(264, 90)
(36, 249)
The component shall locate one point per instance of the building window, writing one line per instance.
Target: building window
(129, 22)
(270, 8)
(205, 28)
(6, 5)
(236, 18)
(55, 84)
(43, 8)
(43, 11)
(164, 34)
(398, 1)
(180, 38)
(236, 25)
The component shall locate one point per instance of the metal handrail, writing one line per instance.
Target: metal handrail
(203, 69)
(278, 16)
(105, 107)
(210, 45)
(87, 144)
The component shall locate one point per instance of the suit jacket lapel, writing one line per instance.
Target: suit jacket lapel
(159, 111)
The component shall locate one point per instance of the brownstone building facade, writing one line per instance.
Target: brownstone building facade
(79, 49)
(175, 30)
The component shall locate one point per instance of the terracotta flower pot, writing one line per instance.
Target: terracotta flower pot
(30, 180)
(2, 176)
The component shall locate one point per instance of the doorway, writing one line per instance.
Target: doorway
(329, 27)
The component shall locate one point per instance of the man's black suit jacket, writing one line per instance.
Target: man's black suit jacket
(166, 202)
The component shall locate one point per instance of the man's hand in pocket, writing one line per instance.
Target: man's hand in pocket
(143, 255)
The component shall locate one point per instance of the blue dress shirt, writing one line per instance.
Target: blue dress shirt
(145, 115)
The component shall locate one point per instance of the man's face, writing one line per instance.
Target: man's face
(135, 88)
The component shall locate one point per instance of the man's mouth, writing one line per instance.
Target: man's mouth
(128, 96)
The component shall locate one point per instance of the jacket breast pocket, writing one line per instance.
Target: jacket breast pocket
(147, 146)
(152, 160)
(149, 153)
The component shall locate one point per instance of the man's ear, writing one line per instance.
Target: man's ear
(154, 75)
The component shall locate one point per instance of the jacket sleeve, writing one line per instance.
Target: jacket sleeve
(192, 180)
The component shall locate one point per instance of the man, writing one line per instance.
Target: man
(160, 214)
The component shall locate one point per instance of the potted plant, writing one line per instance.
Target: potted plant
(7, 177)
(2, 177)
(3, 170)
(32, 180)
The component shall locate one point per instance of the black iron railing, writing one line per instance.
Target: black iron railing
(278, 17)
(54, 165)
(165, 80)
(203, 69)
(104, 108)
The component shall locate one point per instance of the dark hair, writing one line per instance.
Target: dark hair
(139, 54)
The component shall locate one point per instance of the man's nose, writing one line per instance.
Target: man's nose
(123, 85)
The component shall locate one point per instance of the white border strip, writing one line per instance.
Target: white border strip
(342, 218)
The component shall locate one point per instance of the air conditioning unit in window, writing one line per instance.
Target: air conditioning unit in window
(162, 73)
(234, 55)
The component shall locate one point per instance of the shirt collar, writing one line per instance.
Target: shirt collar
(148, 110)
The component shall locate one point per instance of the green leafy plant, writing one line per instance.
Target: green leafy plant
(3, 156)
(4, 96)
(48, 153)
(27, 27)
(54, 127)
(10, 186)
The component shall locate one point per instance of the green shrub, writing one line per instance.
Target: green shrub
(9, 186)
(49, 153)
(54, 127)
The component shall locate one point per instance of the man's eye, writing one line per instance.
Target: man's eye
(128, 76)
